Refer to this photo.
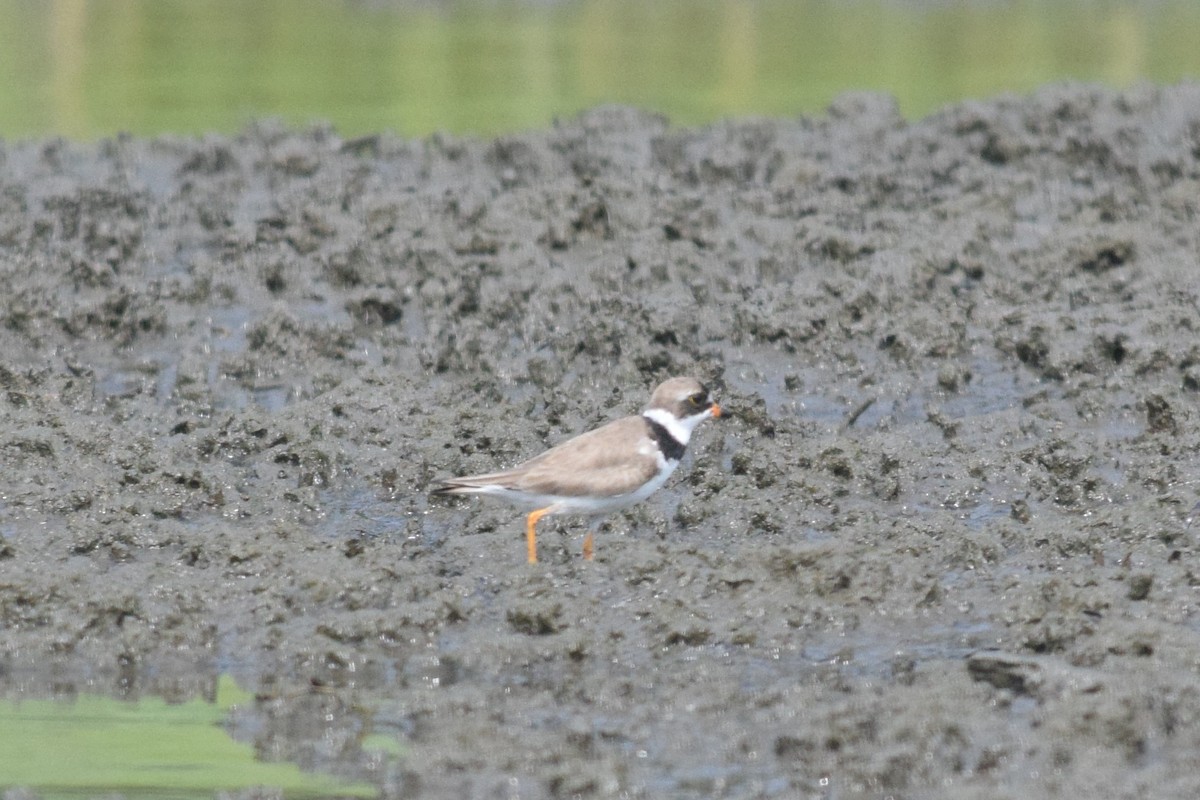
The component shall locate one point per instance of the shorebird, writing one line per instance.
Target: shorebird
(603, 470)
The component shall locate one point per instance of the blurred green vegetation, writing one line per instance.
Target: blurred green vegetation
(93, 745)
(90, 68)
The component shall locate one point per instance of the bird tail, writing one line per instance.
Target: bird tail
(474, 484)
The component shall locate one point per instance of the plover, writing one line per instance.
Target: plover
(611, 467)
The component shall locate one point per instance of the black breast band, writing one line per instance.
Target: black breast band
(672, 449)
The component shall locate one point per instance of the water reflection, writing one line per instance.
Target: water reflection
(147, 66)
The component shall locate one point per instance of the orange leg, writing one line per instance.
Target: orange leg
(531, 533)
(587, 546)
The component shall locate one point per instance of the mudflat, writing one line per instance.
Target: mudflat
(940, 547)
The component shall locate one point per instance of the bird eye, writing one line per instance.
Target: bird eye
(696, 400)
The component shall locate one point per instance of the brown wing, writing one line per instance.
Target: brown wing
(606, 458)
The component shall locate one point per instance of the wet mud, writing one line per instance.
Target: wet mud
(940, 547)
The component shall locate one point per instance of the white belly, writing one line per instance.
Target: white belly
(585, 504)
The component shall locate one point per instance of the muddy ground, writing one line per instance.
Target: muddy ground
(940, 549)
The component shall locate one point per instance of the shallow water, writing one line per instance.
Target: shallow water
(85, 743)
(88, 70)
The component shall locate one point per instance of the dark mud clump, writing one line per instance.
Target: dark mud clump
(941, 549)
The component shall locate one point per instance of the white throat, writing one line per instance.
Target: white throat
(680, 429)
